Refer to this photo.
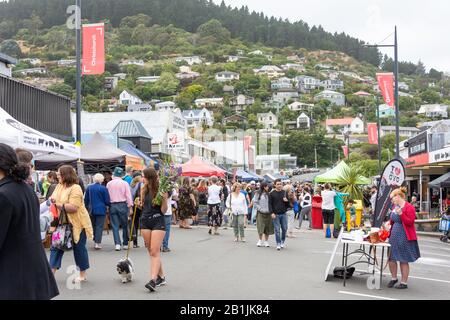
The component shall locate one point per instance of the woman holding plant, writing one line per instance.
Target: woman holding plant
(153, 228)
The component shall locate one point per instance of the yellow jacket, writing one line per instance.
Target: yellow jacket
(80, 220)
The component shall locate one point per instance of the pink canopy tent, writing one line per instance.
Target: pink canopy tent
(196, 167)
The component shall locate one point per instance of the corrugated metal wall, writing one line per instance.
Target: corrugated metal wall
(41, 110)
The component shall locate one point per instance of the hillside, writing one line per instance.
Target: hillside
(188, 15)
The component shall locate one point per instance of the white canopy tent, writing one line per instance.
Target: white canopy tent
(18, 135)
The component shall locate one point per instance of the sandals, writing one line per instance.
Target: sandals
(392, 283)
(79, 280)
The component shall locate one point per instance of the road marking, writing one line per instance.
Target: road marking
(429, 279)
(436, 254)
(420, 278)
(434, 247)
(366, 295)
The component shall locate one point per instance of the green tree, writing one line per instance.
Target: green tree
(11, 48)
(430, 96)
(62, 89)
(214, 30)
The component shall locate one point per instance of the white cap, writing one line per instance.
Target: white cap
(252, 182)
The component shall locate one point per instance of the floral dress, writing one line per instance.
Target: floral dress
(185, 206)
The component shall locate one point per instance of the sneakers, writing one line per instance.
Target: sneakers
(243, 239)
(297, 228)
(160, 281)
(210, 232)
(151, 285)
(165, 250)
(278, 247)
(282, 245)
(259, 244)
(401, 286)
(125, 247)
(97, 246)
(392, 283)
(266, 244)
(236, 239)
(118, 248)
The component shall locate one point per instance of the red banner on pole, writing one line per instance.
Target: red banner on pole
(372, 131)
(93, 49)
(345, 149)
(386, 85)
(247, 142)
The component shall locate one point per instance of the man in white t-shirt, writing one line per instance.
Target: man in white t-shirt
(214, 212)
(328, 208)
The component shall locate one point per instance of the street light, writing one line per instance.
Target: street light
(397, 116)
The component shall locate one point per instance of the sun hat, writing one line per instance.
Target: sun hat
(118, 172)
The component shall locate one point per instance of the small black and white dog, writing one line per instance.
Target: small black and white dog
(125, 269)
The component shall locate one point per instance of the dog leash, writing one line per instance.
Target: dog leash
(132, 228)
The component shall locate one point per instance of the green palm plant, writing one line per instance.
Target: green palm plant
(349, 182)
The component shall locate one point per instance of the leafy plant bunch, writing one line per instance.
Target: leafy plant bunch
(168, 174)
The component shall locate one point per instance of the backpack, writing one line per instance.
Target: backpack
(202, 198)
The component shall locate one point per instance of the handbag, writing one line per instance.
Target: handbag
(229, 212)
(62, 237)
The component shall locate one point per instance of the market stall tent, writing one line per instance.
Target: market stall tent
(334, 175)
(441, 182)
(97, 154)
(196, 167)
(17, 135)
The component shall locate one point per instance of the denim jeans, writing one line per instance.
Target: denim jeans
(168, 220)
(280, 221)
(79, 252)
(119, 217)
(98, 222)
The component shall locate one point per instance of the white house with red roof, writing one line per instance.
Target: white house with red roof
(362, 94)
(353, 125)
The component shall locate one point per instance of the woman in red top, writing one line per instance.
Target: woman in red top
(447, 202)
(403, 238)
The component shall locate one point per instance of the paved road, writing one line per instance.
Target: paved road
(202, 266)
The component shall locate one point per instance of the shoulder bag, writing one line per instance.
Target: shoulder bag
(62, 237)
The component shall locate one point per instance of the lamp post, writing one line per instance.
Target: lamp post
(78, 79)
(397, 116)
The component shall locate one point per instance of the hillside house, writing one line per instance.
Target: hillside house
(240, 102)
(352, 125)
(282, 83)
(434, 110)
(332, 84)
(210, 103)
(269, 71)
(198, 117)
(332, 96)
(128, 98)
(269, 120)
(303, 121)
(306, 84)
(225, 76)
(190, 60)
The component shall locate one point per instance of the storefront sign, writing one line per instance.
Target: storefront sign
(419, 160)
(175, 141)
(417, 144)
(440, 155)
(392, 178)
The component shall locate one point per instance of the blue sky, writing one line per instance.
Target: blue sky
(423, 26)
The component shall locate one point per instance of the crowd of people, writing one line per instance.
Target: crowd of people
(127, 199)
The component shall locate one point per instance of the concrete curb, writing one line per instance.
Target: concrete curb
(429, 234)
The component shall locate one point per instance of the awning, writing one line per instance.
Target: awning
(441, 182)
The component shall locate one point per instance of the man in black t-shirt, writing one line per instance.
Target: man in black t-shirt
(278, 205)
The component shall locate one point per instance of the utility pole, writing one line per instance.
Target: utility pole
(78, 79)
(397, 103)
(315, 155)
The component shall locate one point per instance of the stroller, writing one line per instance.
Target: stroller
(444, 225)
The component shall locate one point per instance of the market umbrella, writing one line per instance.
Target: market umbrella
(196, 167)
(333, 175)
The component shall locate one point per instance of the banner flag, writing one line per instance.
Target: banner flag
(345, 149)
(392, 178)
(372, 131)
(93, 49)
(247, 142)
(386, 85)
